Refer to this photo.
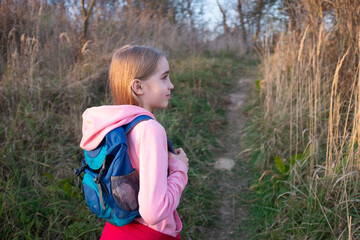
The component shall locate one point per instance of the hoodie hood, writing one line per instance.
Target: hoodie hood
(98, 121)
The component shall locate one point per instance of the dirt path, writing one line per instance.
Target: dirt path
(233, 169)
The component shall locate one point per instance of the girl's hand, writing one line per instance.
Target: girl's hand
(180, 155)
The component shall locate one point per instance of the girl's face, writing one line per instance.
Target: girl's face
(157, 88)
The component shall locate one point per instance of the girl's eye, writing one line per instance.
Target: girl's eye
(165, 77)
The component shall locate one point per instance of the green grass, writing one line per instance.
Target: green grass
(40, 130)
(194, 120)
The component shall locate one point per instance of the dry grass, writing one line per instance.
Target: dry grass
(45, 39)
(311, 97)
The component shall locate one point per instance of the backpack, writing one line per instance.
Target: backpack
(110, 183)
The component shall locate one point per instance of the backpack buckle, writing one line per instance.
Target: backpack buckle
(78, 171)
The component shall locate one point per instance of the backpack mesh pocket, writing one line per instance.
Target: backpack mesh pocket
(125, 190)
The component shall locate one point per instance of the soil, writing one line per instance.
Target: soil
(233, 168)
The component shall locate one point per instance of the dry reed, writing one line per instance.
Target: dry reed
(311, 92)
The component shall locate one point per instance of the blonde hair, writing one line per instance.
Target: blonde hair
(128, 63)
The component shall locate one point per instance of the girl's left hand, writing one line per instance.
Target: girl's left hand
(180, 155)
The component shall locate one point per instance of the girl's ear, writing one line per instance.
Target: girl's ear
(137, 87)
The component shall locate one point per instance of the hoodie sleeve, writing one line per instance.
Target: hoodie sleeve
(159, 193)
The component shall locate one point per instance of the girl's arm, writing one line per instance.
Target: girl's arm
(159, 193)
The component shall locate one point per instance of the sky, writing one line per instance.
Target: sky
(212, 13)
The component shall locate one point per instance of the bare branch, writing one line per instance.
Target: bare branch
(86, 14)
(226, 27)
(188, 8)
(83, 10)
(241, 18)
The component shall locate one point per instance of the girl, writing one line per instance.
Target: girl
(140, 83)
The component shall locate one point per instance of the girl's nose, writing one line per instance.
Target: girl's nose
(171, 86)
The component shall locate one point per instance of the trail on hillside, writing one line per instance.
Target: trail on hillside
(233, 168)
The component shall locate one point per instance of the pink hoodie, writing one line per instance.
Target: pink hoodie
(159, 193)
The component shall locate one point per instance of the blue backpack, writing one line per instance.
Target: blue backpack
(110, 183)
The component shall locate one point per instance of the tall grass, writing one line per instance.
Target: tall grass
(309, 120)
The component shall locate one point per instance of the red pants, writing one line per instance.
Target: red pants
(134, 231)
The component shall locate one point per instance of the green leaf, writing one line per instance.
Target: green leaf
(67, 188)
(258, 86)
(49, 175)
(295, 157)
(280, 164)
(254, 186)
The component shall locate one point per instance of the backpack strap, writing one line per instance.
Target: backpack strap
(136, 120)
(170, 147)
(140, 118)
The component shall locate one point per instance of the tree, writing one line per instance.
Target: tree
(241, 19)
(190, 12)
(85, 16)
(224, 16)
